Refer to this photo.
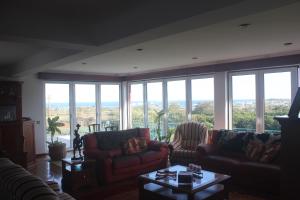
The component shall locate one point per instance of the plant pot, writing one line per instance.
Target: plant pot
(57, 151)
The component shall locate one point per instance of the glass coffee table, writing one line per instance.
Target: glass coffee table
(211, 186)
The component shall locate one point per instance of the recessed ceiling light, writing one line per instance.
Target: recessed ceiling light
(139, 49)
(244, 25)
(83, 63)
(194, 58)
(135, 67)
(287, 43)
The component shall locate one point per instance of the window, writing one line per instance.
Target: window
(136, 105)
(203, 101)
(277, 95)
(259, 96)
(57, 104)
(110, 105)
(155, 107)
(176, 103)
(85, 103)
(243, 102)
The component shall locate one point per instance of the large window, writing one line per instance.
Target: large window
(203, 101)
(136, 105)
(277, 95)
(57, 104)
(155, 107)
(243, 102)
(85, 103)
(259, 96)
(110, 105)
(176, 103)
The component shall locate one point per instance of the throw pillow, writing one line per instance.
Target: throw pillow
(271, 152)
(132, 146)
(224, 136)
(235, 144)
(142, 143)
(255, 149)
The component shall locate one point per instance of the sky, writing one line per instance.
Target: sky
(276, 85)
(59, 93)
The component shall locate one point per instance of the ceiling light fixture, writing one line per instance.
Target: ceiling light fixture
(287, 43)
(194, 58)
(139, 49)
(244, 25)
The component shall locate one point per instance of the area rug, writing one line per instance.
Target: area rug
(133, 195)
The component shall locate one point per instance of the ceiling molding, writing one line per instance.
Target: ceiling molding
(281, 61)
(78, 77)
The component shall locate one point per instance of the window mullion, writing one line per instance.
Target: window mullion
(165, 106)
(98, 103)
(188, 91)
(72, 110)
(230, 120)
(260, 101)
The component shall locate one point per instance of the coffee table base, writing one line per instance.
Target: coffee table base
(152, 191)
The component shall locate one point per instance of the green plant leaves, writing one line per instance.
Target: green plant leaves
(53, 125)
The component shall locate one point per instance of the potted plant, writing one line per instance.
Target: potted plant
(57, 149)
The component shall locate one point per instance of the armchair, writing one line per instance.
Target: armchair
(188, 136)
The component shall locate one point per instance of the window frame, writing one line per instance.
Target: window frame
(71, 110)
(164, 81)
(195, 77)
(72, 102)
(260, 91)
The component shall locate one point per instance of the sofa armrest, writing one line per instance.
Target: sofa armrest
(207, 149)
(157, 146)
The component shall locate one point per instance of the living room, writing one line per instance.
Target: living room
(228, 65)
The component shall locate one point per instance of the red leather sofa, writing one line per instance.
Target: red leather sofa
(113, 165)
(249, 175)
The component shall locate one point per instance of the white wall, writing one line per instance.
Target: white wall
(33, 107)
(220, 100)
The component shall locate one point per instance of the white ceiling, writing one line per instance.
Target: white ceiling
(215, 43)
(102, 36)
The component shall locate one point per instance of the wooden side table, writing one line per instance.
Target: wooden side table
(77, 174)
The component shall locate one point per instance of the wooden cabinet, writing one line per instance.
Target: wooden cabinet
(29, 143)
(16, 134)
(289, 155)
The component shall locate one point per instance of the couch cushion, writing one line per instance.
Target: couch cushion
(149, 156)
(184, 154)
(220, 164)
(255, 149)
(134, 145)
(131, 146)
(90, 141)
(145, 133)
(114, 139)
(126, 161)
